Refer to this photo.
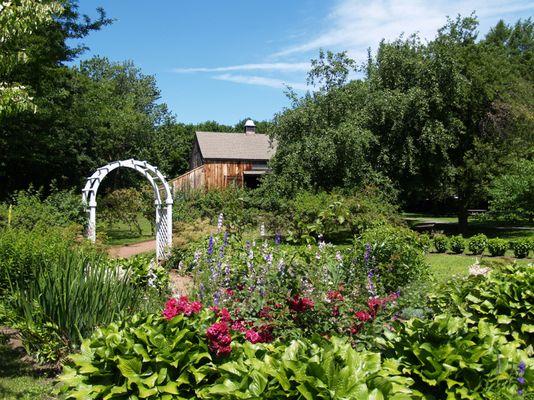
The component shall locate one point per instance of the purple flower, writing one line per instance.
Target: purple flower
(210, 246)
(216, 298)
(202, 290)
(521, 380)
(522, 367)
(520, 392)
(367, 253)
(277, 238)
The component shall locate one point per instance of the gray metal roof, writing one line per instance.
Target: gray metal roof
(235, 146)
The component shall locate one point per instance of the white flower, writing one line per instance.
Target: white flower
(476, 269)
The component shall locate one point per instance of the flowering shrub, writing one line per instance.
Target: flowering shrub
(143, 271)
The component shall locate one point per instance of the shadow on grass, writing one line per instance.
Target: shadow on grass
(18, 379)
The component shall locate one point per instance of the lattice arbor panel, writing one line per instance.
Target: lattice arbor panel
(162, 201)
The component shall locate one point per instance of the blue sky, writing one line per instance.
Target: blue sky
(227, 60)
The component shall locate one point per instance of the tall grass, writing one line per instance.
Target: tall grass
(76, 292)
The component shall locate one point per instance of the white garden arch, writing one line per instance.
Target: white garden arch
(159, 185)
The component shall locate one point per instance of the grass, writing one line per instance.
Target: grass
(19, 381)
(120, 233)
(445, 266)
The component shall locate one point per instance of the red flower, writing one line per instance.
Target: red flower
(252, 336)
(298, 304)
(182, 305)
(238, 326)
(225, 315)
(219, 339)
(265, 312)
(334, 295)
(335, 311)
(363, 316)
(230, 292)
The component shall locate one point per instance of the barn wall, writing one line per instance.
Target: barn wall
(212, 175)
(196, 156)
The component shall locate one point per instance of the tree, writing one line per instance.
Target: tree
(19, 21)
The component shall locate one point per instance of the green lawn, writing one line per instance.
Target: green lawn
(445, 266)
(18, 381)
(120, 233)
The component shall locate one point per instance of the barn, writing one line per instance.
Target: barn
(221, 159)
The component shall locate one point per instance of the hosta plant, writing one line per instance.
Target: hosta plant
(505, 297)
(450, 359)
(192, 352)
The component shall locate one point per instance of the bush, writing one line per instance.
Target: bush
(521, 248)
(457, 244)
(441, 243)
(448, 358)
(497, 247)
(477, 244)
(394, 254)
(143, 270)
(181, 358)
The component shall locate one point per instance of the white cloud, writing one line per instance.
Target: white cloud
(260, 81)
(280, 67)
(354, 25)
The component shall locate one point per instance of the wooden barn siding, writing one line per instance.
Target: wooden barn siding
(212, 175)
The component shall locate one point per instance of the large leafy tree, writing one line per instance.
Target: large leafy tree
(438, 119)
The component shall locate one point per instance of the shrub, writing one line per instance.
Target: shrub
(441, 243)
(143, 270)
(497, 247)
(156, 358)
(425, 241)
(521, 248)
(449, 358)
(477, 244)
(394, 254)
(457, 244)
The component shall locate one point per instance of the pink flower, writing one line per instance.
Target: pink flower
(252, 336)
(334, 295)
(182, 305)
(219, 339)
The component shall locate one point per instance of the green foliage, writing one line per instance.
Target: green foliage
(29, 210)
(497, 247)
(67, 299)
(396, 256)
(457, 244)
(477, 244)
(512, 194)
(24, 253)
(154, 358)
(521, 247)
(125, 205)
(445, 357)
(144, 271)
(441, 243)
(504, 298)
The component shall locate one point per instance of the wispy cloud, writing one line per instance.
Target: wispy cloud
(260, 81)
(354, 25)
(279, 67)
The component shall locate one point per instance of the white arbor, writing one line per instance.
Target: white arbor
(163, 210)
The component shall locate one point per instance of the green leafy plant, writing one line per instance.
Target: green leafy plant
(503, 297)
(477, 244)
(521, 247)
(449, 358)
(457, 244)
(497, 247)
(441, 243)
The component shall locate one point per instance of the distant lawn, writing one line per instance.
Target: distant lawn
(445, 266)
(120, 233)
(449, 225)
(18, 381)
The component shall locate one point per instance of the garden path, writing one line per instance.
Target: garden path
(129, 250)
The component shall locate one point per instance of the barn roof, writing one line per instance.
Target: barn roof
(235, 146)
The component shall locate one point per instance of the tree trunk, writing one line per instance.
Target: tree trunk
(462, 217)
